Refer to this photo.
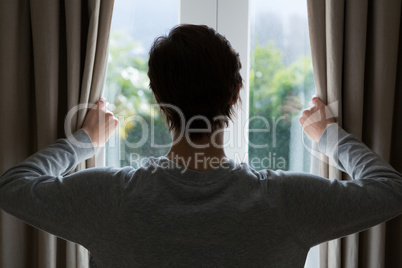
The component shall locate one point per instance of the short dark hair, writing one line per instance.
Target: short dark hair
(195, 69)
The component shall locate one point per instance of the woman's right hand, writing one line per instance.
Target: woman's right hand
(315, 119)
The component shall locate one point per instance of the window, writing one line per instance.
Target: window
(281, 83)
(134, 27)
(272, 39)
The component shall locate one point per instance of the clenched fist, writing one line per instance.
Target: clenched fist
(315, 119)
(100, 123)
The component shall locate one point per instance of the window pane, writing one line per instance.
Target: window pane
(134, 27)
(281, 83)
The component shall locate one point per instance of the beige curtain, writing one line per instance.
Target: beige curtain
(52, 57)
(357, 58)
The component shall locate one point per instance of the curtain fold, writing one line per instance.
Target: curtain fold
(52, 58)
(356, 50)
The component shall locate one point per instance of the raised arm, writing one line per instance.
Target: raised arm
(38, 192)
(317, 209)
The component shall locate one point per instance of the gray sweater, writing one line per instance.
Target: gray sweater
(162, 215)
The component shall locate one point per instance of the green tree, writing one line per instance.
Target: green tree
(127, 84)
(277, 93)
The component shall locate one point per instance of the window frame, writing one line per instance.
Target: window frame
(230, 18)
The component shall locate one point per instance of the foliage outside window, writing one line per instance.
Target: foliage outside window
(277, 92)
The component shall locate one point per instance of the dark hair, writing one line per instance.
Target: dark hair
(195, 69)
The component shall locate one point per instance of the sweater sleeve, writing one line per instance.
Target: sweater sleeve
(317, 209)
(73, 207)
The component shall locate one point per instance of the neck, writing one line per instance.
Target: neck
(204, 154)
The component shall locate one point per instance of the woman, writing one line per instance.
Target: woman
(194, 206)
